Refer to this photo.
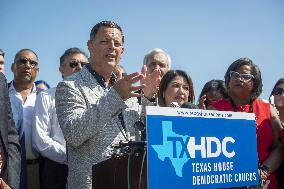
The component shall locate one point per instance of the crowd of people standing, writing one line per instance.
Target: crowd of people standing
(51, 137)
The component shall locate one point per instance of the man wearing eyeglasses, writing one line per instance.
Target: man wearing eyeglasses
(155, 65)
(47, 135)
(22, 93)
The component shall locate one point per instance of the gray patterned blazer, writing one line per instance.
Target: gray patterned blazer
(88, 116)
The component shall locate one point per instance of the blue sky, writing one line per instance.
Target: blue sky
(202, 37)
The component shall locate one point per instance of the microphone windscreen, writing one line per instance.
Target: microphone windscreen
(174, 105)
(189, 105)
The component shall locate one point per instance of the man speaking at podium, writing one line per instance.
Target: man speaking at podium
(94, 110)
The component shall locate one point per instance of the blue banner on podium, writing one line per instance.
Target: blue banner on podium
(200, 148)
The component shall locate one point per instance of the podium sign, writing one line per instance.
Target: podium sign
(200, 149)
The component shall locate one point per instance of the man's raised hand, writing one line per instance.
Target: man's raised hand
(126, 88)
(151, 81)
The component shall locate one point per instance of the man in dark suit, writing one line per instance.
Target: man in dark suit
(10, 150)
(2, 54)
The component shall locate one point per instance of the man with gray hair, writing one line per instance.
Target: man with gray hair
(2, 54)
(155, 65)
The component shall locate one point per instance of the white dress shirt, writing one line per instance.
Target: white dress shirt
(47, 135)
(17, 109)
(27, 119)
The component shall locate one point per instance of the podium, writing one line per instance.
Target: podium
(120, 172)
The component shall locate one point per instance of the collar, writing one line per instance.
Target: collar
(13, 90)
(100, 79)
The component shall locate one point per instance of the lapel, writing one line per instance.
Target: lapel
(4, 132)
(89, 81)
(6, 112)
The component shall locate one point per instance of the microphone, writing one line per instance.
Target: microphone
(174, 105)
(189, 105)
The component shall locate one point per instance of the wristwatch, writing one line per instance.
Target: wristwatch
(266, 169)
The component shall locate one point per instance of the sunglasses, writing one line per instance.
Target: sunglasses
(76, 63)
(278, 91)
(244, 77)
(24, 61)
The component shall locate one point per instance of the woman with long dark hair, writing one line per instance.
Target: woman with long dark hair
(175, 87)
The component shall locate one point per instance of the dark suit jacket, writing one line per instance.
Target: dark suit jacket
(9, 138)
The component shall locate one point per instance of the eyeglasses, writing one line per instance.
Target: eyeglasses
(278, 91)
(244, 77)
(75, 64)
(24, 61)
